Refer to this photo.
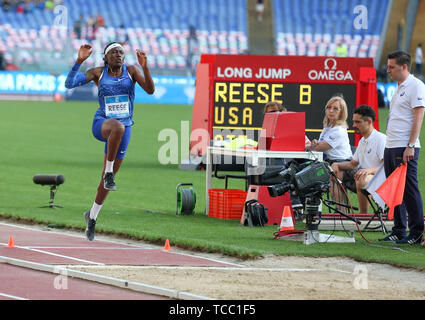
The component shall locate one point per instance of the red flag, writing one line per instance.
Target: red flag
(392, 189)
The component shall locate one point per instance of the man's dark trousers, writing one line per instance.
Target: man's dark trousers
(412, 200)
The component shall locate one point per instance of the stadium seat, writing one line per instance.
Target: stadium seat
(329, 21)
(158, 27)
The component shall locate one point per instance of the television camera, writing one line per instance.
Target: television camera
(308, 180)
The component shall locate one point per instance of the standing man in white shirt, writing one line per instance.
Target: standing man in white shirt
(403, 129)
(367, 159)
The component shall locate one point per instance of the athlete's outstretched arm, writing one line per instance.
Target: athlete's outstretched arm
(75, 78)
(146, 81)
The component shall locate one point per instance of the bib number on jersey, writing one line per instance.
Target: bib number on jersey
(117, 106)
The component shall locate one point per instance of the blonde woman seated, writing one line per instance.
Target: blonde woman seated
(333, 140)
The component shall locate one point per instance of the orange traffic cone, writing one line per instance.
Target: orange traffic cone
(286, 224)
(11, 243)
(167, 245)
(57, 97)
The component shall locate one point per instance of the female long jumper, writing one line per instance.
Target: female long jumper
(113, 119)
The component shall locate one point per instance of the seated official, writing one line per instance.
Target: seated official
(333, 140)
(273, 106)
(367, 159)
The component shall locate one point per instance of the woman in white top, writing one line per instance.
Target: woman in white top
(333, 140)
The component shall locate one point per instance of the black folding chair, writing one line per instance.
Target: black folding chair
(378, 212)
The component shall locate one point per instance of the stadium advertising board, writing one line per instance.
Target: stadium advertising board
(168, 89)
(238, 87)
(16, 82)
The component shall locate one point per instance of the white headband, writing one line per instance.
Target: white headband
(115, 45)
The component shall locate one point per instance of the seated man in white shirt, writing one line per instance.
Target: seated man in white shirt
(367, 159)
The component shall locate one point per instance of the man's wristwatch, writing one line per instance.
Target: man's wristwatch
(411, 145)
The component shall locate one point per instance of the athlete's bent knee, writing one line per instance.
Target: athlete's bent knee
(118, 128)
(112, 127)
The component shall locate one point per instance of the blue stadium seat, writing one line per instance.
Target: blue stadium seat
(160, 26)
(330, 18)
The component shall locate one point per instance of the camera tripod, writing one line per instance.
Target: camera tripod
(312, 234)
(51, 205)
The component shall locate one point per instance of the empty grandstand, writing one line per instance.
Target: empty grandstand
(319, 27)
(44, 35)
(33, 36)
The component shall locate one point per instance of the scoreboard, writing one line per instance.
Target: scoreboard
(232, 90)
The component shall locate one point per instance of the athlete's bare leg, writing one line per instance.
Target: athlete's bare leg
(101, 191)
(112, 130)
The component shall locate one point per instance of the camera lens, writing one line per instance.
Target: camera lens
(278, 189)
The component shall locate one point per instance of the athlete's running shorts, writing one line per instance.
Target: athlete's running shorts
(97, 133)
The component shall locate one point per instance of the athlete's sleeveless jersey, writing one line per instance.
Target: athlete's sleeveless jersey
(116, 97)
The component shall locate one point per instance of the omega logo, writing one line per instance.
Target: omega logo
(330, 72)
(333, 61)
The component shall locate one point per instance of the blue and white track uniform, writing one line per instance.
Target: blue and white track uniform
(116, 100)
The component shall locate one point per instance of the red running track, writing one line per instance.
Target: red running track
(55, 248)
(17, 283)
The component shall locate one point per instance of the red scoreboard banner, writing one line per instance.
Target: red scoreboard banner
(232, 90)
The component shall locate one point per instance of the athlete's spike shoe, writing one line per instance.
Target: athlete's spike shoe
(109, 182)
(90, 225)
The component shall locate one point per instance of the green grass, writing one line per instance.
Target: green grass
(50, 138)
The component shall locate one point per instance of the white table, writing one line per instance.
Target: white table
(253, 157)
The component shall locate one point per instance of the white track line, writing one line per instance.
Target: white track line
(57, 255)
(39, 249)
(100, 238)
(110, 241)
(88, 248)
(213, 268)
(121, 283)
(210, 259)
(66, 257)
(12, 297)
